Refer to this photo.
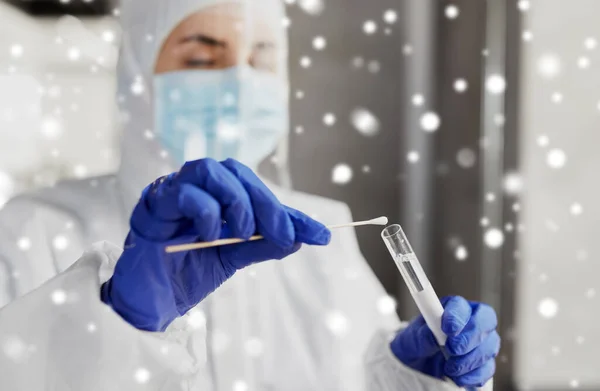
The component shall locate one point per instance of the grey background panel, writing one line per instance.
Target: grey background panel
(333, 85)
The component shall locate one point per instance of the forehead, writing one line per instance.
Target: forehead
(227, 21)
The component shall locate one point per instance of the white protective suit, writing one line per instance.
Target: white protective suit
(309, 322)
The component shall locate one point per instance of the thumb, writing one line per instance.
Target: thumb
(307, 229)
(415, 342)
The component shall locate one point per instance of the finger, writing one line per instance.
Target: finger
(147, 226)
(161, 199)
(462, 365)
(308, 230)
(457, 313)
(483, 321)
(272, 220)
(477, 377)
(198, 205)
(244, 254)
(415, 342)
(216, 180)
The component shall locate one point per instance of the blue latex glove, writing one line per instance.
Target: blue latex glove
(472, 344)
(151, 288)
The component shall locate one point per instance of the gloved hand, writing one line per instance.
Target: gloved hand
(151, 288)
(472, 344)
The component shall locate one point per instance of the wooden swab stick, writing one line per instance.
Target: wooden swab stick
(223, 242)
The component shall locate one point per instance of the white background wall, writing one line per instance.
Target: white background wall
(559, 309)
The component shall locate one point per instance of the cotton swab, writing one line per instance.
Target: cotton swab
(223, 242)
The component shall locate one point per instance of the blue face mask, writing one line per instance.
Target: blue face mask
(238, 113)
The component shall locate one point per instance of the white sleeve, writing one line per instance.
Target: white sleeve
(386, 373)
(62, 337)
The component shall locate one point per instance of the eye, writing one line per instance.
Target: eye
(199, 63)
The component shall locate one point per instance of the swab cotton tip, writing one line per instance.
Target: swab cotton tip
(380, 221)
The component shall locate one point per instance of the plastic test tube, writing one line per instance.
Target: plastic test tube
(418, 284)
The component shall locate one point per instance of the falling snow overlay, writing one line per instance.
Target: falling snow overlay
(376, 131)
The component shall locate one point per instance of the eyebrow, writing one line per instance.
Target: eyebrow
(265, 45)
(204, 39)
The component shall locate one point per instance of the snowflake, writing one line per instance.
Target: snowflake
(369, 27)
(494, 238)
(142, 375)
(461, 253)
(576, 209)
(451, 11)
(365, 122)
(543, 140)
(319, 43)
(137, 87)
(548, 308)
(430, 122)
(418, 100)
(373, 66)
(108, 35)
(196, 319)
(14, 348)
(460, 85)
(590, 43)
(148, 134)
(60, 242)
(466, 158)
(312, 7)
(495, 84)
(74, 54)
(59, 297)
(557, 97)
(341, 174)
(512, 183)
(583, 62)
(24, 244)
(337, 323)
(556, 158)
(523, 5)
(329, 119)
(16, 50)
(412, 156)
(305, 62)
(240, 385)
(390, 16)
(549, 66)
(386, 305)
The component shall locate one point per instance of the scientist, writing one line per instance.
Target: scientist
(207, 80)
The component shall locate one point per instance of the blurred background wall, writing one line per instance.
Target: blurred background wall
(472, 123)
(558, 267)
